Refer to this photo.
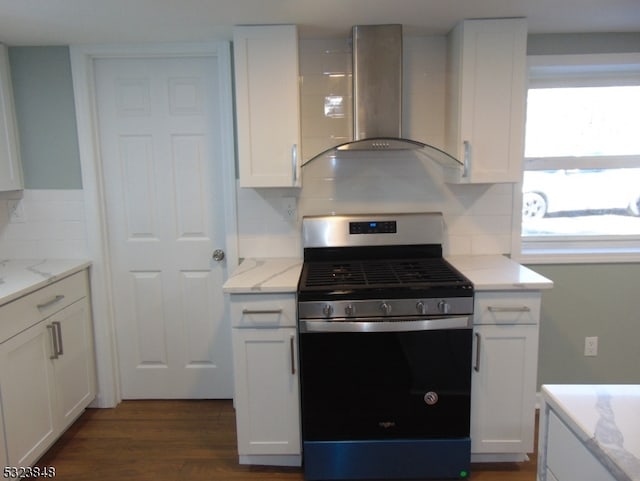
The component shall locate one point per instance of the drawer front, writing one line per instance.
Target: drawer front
(263, 310)
(18, 315)
(507, 307)
(568, 458)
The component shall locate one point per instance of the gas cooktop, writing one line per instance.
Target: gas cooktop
(393, 278)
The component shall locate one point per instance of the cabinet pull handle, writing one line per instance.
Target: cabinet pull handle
(466, 164)
(509, 309)
(476, 367)
(58, 329)
(293, 355)
(294, 162)
(50, 302)
(261, 311)
(54, 338)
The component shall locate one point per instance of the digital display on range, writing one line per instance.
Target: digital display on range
(373, 227)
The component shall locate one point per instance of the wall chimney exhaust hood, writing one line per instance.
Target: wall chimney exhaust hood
(377, 96)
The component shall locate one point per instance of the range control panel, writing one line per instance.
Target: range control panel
(373, 227)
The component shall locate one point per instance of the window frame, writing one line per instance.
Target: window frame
(582, 70)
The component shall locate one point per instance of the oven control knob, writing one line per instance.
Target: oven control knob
(421, 307)
(385, 308)
(444, 306)
(327, 310)
(349, 310)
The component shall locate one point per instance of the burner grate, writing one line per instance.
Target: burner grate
(377, 273)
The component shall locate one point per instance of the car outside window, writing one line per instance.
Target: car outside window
(581, 179)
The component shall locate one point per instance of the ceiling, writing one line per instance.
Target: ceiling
(63, 22)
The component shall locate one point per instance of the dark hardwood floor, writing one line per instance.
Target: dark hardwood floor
(182, 441)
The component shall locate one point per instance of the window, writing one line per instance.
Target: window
(581, 181)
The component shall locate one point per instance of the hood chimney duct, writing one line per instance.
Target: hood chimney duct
(377, 81)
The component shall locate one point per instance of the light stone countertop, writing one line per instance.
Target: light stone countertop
(606, 419)
(19, 277)
(491, 272)
(496, 272)
(265, 275)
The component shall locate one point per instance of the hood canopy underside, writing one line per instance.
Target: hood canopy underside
(388, 144)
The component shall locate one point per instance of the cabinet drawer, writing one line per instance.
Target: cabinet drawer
(568, 458)
(263, 310)
(18, 315)
(507, 307)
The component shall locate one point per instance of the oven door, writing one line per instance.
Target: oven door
(385, 380)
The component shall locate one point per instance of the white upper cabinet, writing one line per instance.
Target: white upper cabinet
(486, 99)
(267, 105)
(10, 168)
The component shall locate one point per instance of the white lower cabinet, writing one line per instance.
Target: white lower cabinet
(28, 394)
(47, 371)
(265, 356)
(504, 375)
(74, 370)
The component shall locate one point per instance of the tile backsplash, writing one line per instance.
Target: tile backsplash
(43, 224)
(478, 218)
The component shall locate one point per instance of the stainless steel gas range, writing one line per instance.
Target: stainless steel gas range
(385, 326)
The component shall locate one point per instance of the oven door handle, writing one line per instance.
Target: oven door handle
(384, 325)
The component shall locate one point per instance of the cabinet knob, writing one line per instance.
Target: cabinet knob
(218, 255)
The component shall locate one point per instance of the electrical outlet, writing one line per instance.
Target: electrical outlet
(289, 206)
(591, 346)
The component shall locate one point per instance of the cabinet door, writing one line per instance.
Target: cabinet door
(74, 368)
(267, 105)
(267, 406)
(10, 168)
(503, 388)
(486, 101)
(568, 458)
(28, 394)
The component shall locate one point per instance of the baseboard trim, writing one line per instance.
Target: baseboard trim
(272, 460)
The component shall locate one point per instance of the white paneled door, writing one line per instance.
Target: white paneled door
(159, 129)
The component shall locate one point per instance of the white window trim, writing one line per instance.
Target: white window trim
(583, 70)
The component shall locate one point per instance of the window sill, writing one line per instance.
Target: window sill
(576, 255)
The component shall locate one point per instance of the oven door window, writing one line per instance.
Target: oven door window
(386, 385)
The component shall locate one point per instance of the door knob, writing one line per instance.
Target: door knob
(218, 255)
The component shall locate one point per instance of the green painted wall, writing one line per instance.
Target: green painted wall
(45, 111)
(590, 300)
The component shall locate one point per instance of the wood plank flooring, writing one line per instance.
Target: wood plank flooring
(182, 441)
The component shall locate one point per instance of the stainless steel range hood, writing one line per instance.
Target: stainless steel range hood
(377, 95)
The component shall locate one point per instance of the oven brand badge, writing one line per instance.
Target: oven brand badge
(431, 398)
(387, 424)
